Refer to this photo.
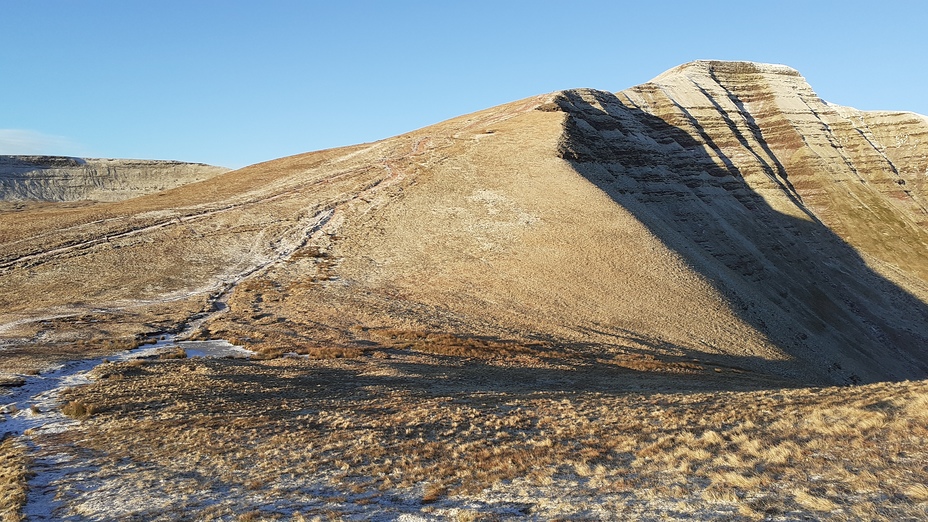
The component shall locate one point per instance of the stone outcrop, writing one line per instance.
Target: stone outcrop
(59, 178)
(767, 122)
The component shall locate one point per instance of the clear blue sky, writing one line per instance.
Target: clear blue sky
(233, 83)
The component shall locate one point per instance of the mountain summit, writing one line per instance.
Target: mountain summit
(720, 213)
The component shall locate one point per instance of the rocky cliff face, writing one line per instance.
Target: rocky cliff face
(56, 178)
(808, 217)
(721, 212)
(765, 123)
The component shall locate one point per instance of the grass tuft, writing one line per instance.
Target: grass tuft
(814, 502)
(79, 410)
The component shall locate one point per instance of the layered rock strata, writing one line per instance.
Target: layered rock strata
(809, 217)
(59, 178)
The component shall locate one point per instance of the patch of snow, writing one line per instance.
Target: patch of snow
(35, 409)
(43, 486)
(219, 348)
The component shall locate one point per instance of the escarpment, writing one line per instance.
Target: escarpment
(851, 169)
(60, 178)
(800, 212)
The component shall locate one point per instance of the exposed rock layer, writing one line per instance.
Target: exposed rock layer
(59, 178)
(768, 192)
(721, 212)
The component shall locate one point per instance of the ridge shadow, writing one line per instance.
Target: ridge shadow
(793, 279)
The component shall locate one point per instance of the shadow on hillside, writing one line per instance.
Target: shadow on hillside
(793, 279)
(240, 388)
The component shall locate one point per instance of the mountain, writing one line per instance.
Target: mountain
(581, 305)
(59, 178)
(721, 213)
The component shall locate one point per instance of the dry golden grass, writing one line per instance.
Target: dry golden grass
(917, 492)
(452, 344)
(814, 502)
(173, 352)
(79, 335)
(13, 475)
(344, 436)
(78, 409)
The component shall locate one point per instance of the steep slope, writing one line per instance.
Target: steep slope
(55, 178)
(498, 238)
(740, 168)
(844, 165)
(717, 218)
(829, 178)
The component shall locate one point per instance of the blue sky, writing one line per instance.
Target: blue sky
(234, 83)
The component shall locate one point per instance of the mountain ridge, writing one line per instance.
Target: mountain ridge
(703, 214)
(66, 178)
(603, 305)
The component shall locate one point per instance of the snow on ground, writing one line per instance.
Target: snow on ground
(35, 409)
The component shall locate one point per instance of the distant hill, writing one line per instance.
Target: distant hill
(721, 212)
(60, 178)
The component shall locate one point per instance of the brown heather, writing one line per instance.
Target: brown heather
(424, 428)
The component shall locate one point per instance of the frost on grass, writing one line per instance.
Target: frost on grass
(380, 438)
(13, 466)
